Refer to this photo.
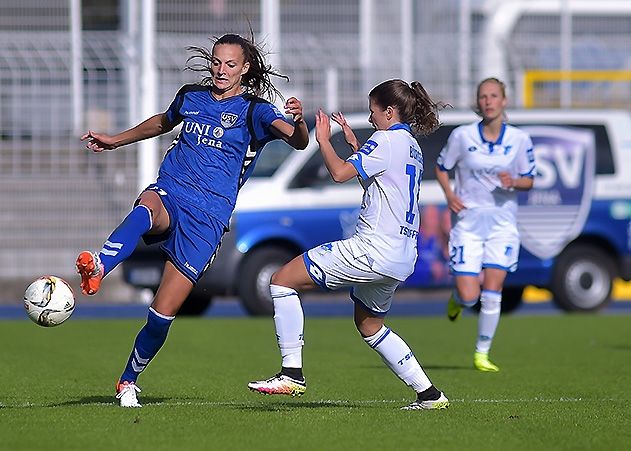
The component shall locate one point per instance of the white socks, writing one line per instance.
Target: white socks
(399, 358)
(488, 319)
(289, 320)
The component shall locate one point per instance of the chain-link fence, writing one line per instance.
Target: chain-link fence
(58, 198)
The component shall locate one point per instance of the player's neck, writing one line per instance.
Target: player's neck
(220, 95)
(492, 129)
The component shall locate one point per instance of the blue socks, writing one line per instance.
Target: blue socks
(148, 342)
(122, 242)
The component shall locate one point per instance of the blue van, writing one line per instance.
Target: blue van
(575, 223)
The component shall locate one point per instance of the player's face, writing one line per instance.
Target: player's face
(491, 100)
(378, 116)
(227, 67)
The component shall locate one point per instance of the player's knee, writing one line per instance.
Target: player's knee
(278, 279)
(158, 324)
(468, 295)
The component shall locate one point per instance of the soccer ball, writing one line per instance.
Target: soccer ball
(49, 301)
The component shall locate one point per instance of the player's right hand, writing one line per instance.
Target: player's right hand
(455, 203)
(323, 127)
(98, 142)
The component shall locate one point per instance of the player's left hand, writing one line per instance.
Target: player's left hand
(293, 106)
(349, 135)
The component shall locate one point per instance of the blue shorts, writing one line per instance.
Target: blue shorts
(193, 237)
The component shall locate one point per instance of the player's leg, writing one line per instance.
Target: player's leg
(173, 291)
(465, 295)
(465, 262)
(372, 301)
(149, 215)
(289, 323)
(489, 317)
(190, 247)
(501, 251)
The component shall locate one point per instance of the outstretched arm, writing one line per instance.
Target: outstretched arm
(339, 169)
(297, 135)
(154, 126)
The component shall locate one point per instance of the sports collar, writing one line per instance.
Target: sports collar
(499, 138)
(401, 126)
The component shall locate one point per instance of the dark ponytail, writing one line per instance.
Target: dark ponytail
(412, 102)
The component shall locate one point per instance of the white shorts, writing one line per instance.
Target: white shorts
(345, 263)
(483, 238)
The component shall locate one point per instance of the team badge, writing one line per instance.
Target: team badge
(228, 119)
(554, 211)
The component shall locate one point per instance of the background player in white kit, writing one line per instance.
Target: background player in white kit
(491, 160)
(382, 252)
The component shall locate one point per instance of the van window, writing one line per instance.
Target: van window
(314, 173)
(272, 155)
(431, 146)
(604, 157)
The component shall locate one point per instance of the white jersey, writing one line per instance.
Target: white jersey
(477, 163)
(390, 166)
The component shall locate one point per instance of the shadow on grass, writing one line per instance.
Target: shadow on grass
(289, 406)
(103, 400)
(262, 405)
(425, 367)
(449, 367)
(620, 347)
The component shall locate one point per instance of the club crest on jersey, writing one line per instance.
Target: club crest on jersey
(228, 119)
(561, 196)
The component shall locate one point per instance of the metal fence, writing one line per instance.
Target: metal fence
(57, 198)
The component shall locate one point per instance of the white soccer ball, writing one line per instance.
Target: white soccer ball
(49, 301)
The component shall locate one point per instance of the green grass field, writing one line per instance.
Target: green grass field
(565, 384)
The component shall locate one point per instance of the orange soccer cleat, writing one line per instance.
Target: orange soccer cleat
(91, 269)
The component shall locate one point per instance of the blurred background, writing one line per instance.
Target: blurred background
(67, 66)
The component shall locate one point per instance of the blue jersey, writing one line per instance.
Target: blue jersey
(217, 147)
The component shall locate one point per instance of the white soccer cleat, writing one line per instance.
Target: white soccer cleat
(279, 385)
(441, 403)
(126, 394)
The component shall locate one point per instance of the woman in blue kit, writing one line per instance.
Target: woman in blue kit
(225, 124)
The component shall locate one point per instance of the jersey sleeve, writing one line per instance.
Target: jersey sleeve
(373, 158)
(526, 158)
(263, 114)
(173, 112)
(450, 154)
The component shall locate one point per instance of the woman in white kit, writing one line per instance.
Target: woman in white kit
(491, 160)
(382, 252)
